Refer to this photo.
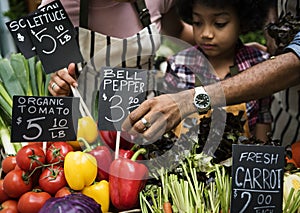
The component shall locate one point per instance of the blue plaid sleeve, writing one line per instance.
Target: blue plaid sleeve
(295, 45)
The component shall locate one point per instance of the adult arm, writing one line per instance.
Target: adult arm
(259, 81)
(166, 111)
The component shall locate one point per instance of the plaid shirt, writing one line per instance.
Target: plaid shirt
(189, 66)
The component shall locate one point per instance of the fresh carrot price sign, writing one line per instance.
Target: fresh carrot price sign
(121, 91)
(38, 118)
(257, 179)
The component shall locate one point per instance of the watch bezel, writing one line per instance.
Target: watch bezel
(200, 94)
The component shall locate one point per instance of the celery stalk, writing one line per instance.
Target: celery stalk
(33, 78)
(9, 79)
(5, 95)
(5, 139)
(18, 63)
(40, 78)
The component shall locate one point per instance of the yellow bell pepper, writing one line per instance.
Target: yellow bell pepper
(99, 191)
(87, 129)
(80, 169)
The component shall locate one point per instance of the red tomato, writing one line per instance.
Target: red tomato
(16, 183)
(109, 138)
(8, 164)
(9, 206)
(30, 156)
(32, 202)
(3, 195)
(57, 151)
(52, 179)
(63, 192)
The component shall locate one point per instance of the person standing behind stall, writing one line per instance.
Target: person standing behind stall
(217, 25)
(285, 107)
(112, 19)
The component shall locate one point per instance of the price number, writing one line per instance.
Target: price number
(63, 38)
(57, 130)
(117, 109)
(262, 200)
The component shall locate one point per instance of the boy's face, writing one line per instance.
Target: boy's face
(216, 31)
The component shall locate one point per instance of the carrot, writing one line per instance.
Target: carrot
(167, 207)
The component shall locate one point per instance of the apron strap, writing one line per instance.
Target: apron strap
(139, 5)
(143, 12)
(83, 19)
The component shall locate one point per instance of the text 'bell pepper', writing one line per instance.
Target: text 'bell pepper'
(80, 169)
(126, 179)
(99, 191)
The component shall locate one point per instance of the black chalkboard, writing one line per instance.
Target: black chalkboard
(21, 37)
(121, 91)
(53, 35)
(48, 33)
(257, 179)
(36, 118)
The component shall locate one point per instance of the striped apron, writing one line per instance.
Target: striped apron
(100, 50)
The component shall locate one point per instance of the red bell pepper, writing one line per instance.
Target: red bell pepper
(126, 179)
(129, 153)
(109, 138)
(104, 159)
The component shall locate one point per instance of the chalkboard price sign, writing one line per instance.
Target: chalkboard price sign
(121, 91)
(53, 35)
(38, 118)
(49, 33)
(257, 179)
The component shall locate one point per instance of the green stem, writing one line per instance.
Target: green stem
(86, 144)
(137, 153)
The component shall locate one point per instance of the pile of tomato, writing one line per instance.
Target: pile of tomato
(33, 176)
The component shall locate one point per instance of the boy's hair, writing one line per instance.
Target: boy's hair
(252, 13)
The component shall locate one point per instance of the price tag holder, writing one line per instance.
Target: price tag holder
(36, 118)
(257, 178)
(121, 91)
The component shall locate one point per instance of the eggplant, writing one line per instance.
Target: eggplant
(72, 203)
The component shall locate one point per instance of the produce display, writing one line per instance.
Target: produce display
(85, 176)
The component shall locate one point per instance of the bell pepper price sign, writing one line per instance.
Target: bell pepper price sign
(257, 179)
(38, 118)
(121, 91)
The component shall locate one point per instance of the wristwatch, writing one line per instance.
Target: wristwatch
(201, 100)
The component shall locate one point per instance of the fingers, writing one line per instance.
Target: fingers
(61, 80)
(150, 124)
(135, 116)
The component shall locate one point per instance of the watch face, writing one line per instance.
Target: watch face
(202, 101)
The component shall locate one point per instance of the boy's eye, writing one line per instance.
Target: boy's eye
(196, 23)
(220, 25)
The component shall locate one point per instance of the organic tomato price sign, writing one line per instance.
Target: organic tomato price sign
(38, 118)
(257, 179)
(121, 91)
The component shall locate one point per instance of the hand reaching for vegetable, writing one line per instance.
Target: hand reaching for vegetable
(160, 114)
(61, 80)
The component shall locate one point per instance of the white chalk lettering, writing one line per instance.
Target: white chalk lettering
(260, 158)
(258, 178)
